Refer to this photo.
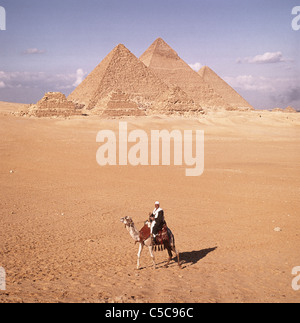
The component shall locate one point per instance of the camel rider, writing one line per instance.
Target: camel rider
(158, 220)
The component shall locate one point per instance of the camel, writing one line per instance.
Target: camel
(135, 234)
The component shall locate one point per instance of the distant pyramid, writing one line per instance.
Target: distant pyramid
(121, 72)
(54, 104)
(166, 63)
(120, 105)
(225, 90)
(289, 109)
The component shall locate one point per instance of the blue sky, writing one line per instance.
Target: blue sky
(52, 45)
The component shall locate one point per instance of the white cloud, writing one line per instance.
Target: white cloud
(42, 80)
(276, 91)
(266, 58)
(196, 66)
(37, 80)
(251, 83)
(33, 51)
(79, 77)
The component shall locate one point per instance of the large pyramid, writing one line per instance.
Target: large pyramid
(224, 89)
(122, 72)
(166, 63)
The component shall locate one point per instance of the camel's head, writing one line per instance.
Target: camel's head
(127, 221)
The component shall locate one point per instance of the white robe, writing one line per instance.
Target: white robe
(155, 213)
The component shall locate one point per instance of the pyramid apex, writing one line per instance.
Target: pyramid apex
(163, 45)
(205, 69)
(159, 48)
(160, 40)
(121, 47)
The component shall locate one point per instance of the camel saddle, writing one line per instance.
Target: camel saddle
(161, 239)
(145, 233)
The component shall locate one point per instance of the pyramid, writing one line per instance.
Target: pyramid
(166, 63)
(121, 72)
(289, 109)
(54, 104)
(225, 90)
(120, 105)
(178, 103)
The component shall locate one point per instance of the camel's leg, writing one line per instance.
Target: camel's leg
(170, 256)
(141, 246)
(152, 256)
(178, 258)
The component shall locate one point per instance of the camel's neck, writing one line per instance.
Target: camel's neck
(134, 233)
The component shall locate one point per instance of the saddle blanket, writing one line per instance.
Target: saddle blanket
(162, 237)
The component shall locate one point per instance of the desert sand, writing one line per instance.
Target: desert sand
(61, 237)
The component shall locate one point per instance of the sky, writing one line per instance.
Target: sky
(53, 45)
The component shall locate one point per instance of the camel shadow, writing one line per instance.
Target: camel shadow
(191, 258)
(188, 258)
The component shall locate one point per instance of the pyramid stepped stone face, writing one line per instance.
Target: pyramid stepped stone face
(178, 103)
(54, 104)
(278, 110)
(120, 105)
(290, 110)
(236, 101)
(166, 63)
(286, 110)
(120, 71)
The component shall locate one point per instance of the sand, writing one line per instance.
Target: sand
(61, 237)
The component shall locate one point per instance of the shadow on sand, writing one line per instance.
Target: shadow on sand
(190, 258)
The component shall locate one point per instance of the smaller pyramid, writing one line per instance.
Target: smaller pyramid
(277, 110)
(236, 101)
(54, 104)
(290, 109)
(179, 103)
(120, 105)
